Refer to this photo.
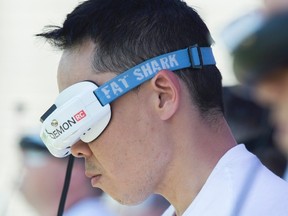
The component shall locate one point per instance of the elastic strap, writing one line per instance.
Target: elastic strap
(194, 57)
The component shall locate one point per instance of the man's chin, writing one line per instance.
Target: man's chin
(129, 200)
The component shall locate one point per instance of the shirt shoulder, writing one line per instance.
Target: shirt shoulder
(240, 185)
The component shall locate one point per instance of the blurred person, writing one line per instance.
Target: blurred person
(261, 64)
(167, 136)
(43, 181)
(250, 125)
(234, 36)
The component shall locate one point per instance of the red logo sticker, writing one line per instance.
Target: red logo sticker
(80, 115)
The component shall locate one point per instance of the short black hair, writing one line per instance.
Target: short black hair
(128, 32)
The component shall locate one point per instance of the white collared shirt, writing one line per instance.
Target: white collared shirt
(239, 185)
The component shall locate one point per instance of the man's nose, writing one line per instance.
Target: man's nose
(80, 150)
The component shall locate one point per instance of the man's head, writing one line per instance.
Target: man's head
(261, 61)
(125, 33)
(102, 38)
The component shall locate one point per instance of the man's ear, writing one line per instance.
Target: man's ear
(166, 86)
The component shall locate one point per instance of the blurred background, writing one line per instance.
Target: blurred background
(28, 74)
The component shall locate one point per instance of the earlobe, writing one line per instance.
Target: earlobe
(166, 86)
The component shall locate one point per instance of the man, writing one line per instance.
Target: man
(261, 62)
(166, 136)
(43, 181)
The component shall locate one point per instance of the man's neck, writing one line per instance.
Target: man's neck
(194, 160)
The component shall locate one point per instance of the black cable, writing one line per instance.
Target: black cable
(66, 185)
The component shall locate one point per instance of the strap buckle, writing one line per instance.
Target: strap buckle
(195, 56)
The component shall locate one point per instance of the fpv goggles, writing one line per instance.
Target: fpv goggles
(82, 111)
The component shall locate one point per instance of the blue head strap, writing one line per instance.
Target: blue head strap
(194, 57)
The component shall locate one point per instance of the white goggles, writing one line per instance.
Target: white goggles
(82, 111)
